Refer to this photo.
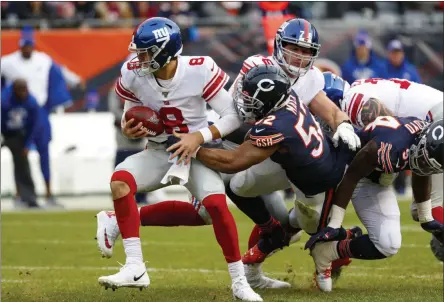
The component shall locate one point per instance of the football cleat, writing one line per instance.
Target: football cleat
(323, 255)
(254, 256)
(242, 290)
(130, 275)
(257, 279)
(107, 232)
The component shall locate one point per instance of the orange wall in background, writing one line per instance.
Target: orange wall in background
(87, 52)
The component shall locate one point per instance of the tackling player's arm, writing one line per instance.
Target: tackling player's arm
(362, 165)
(323, 107)
(371, 110)
(331, 114)
(421, 187)
(230, 162)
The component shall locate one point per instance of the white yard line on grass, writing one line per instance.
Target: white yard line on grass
(209, 271)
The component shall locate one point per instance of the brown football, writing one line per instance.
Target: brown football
(149, 118)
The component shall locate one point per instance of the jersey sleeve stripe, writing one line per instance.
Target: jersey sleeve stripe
(218, 70)
(216, 86)
(124, 93)
(354, 107)
(273, 136)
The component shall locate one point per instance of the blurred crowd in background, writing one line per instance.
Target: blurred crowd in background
(76, 14)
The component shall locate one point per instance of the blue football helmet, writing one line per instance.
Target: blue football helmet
(155, 41)
(335, 87)
(303, 34)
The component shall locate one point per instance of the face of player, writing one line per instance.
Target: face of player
(27, 51)
(297, 56)
(144, 57)
(396, 57)
(20, 90)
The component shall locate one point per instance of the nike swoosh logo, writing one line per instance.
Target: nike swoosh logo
(107, 244)
(137, 278)
(212, 68)
(259, 130)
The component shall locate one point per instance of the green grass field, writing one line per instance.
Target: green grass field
(53, 257)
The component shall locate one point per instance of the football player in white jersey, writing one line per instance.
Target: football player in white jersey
(374, 199)
(177, 87)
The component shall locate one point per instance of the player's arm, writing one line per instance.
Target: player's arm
(122, 90)
(362, 165)
(421, 187)
(230, 162)
(371, 110)
(323, 107)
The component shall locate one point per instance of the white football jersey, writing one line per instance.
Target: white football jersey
(34, 70)
(182, 104)
(402, 97)
(306, 87)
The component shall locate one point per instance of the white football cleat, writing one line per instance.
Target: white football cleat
(242, 290)
(130, 275)
(107, 232)
(323, 256)
(257, 279)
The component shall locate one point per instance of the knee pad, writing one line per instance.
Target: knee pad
(389, 241)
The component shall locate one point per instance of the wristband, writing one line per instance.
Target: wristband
(337, 217)
(207, 135)
(425, 211)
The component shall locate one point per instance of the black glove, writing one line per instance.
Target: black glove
(326, 234)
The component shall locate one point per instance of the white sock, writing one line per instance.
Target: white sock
(133, 250)
(236, 269)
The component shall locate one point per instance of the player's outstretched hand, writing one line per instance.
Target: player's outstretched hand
(134, 132)
(435, 228)
(187, 147)
(326, 234)
(347, 134)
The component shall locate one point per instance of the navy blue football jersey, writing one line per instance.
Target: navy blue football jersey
(308, 157)
(394, 136)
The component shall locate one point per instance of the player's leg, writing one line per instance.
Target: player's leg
(140, 172)
(244, 190)
(378, 210)
(437, 212)
(206, 185)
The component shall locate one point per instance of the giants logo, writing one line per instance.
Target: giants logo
(161, 34)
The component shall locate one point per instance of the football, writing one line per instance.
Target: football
(149, 118)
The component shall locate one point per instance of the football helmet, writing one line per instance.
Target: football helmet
(263, 89)
(303, 34)
(426, 157)
(335, 87)
(155, 41)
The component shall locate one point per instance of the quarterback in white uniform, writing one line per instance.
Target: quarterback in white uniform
(178, 87)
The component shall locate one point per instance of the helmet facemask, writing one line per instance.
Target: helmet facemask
(286, 56)
(151, 59)
(420, 161)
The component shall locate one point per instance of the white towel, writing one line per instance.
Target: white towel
(181, 171)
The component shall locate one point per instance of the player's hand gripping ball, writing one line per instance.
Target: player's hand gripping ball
(149, 120)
